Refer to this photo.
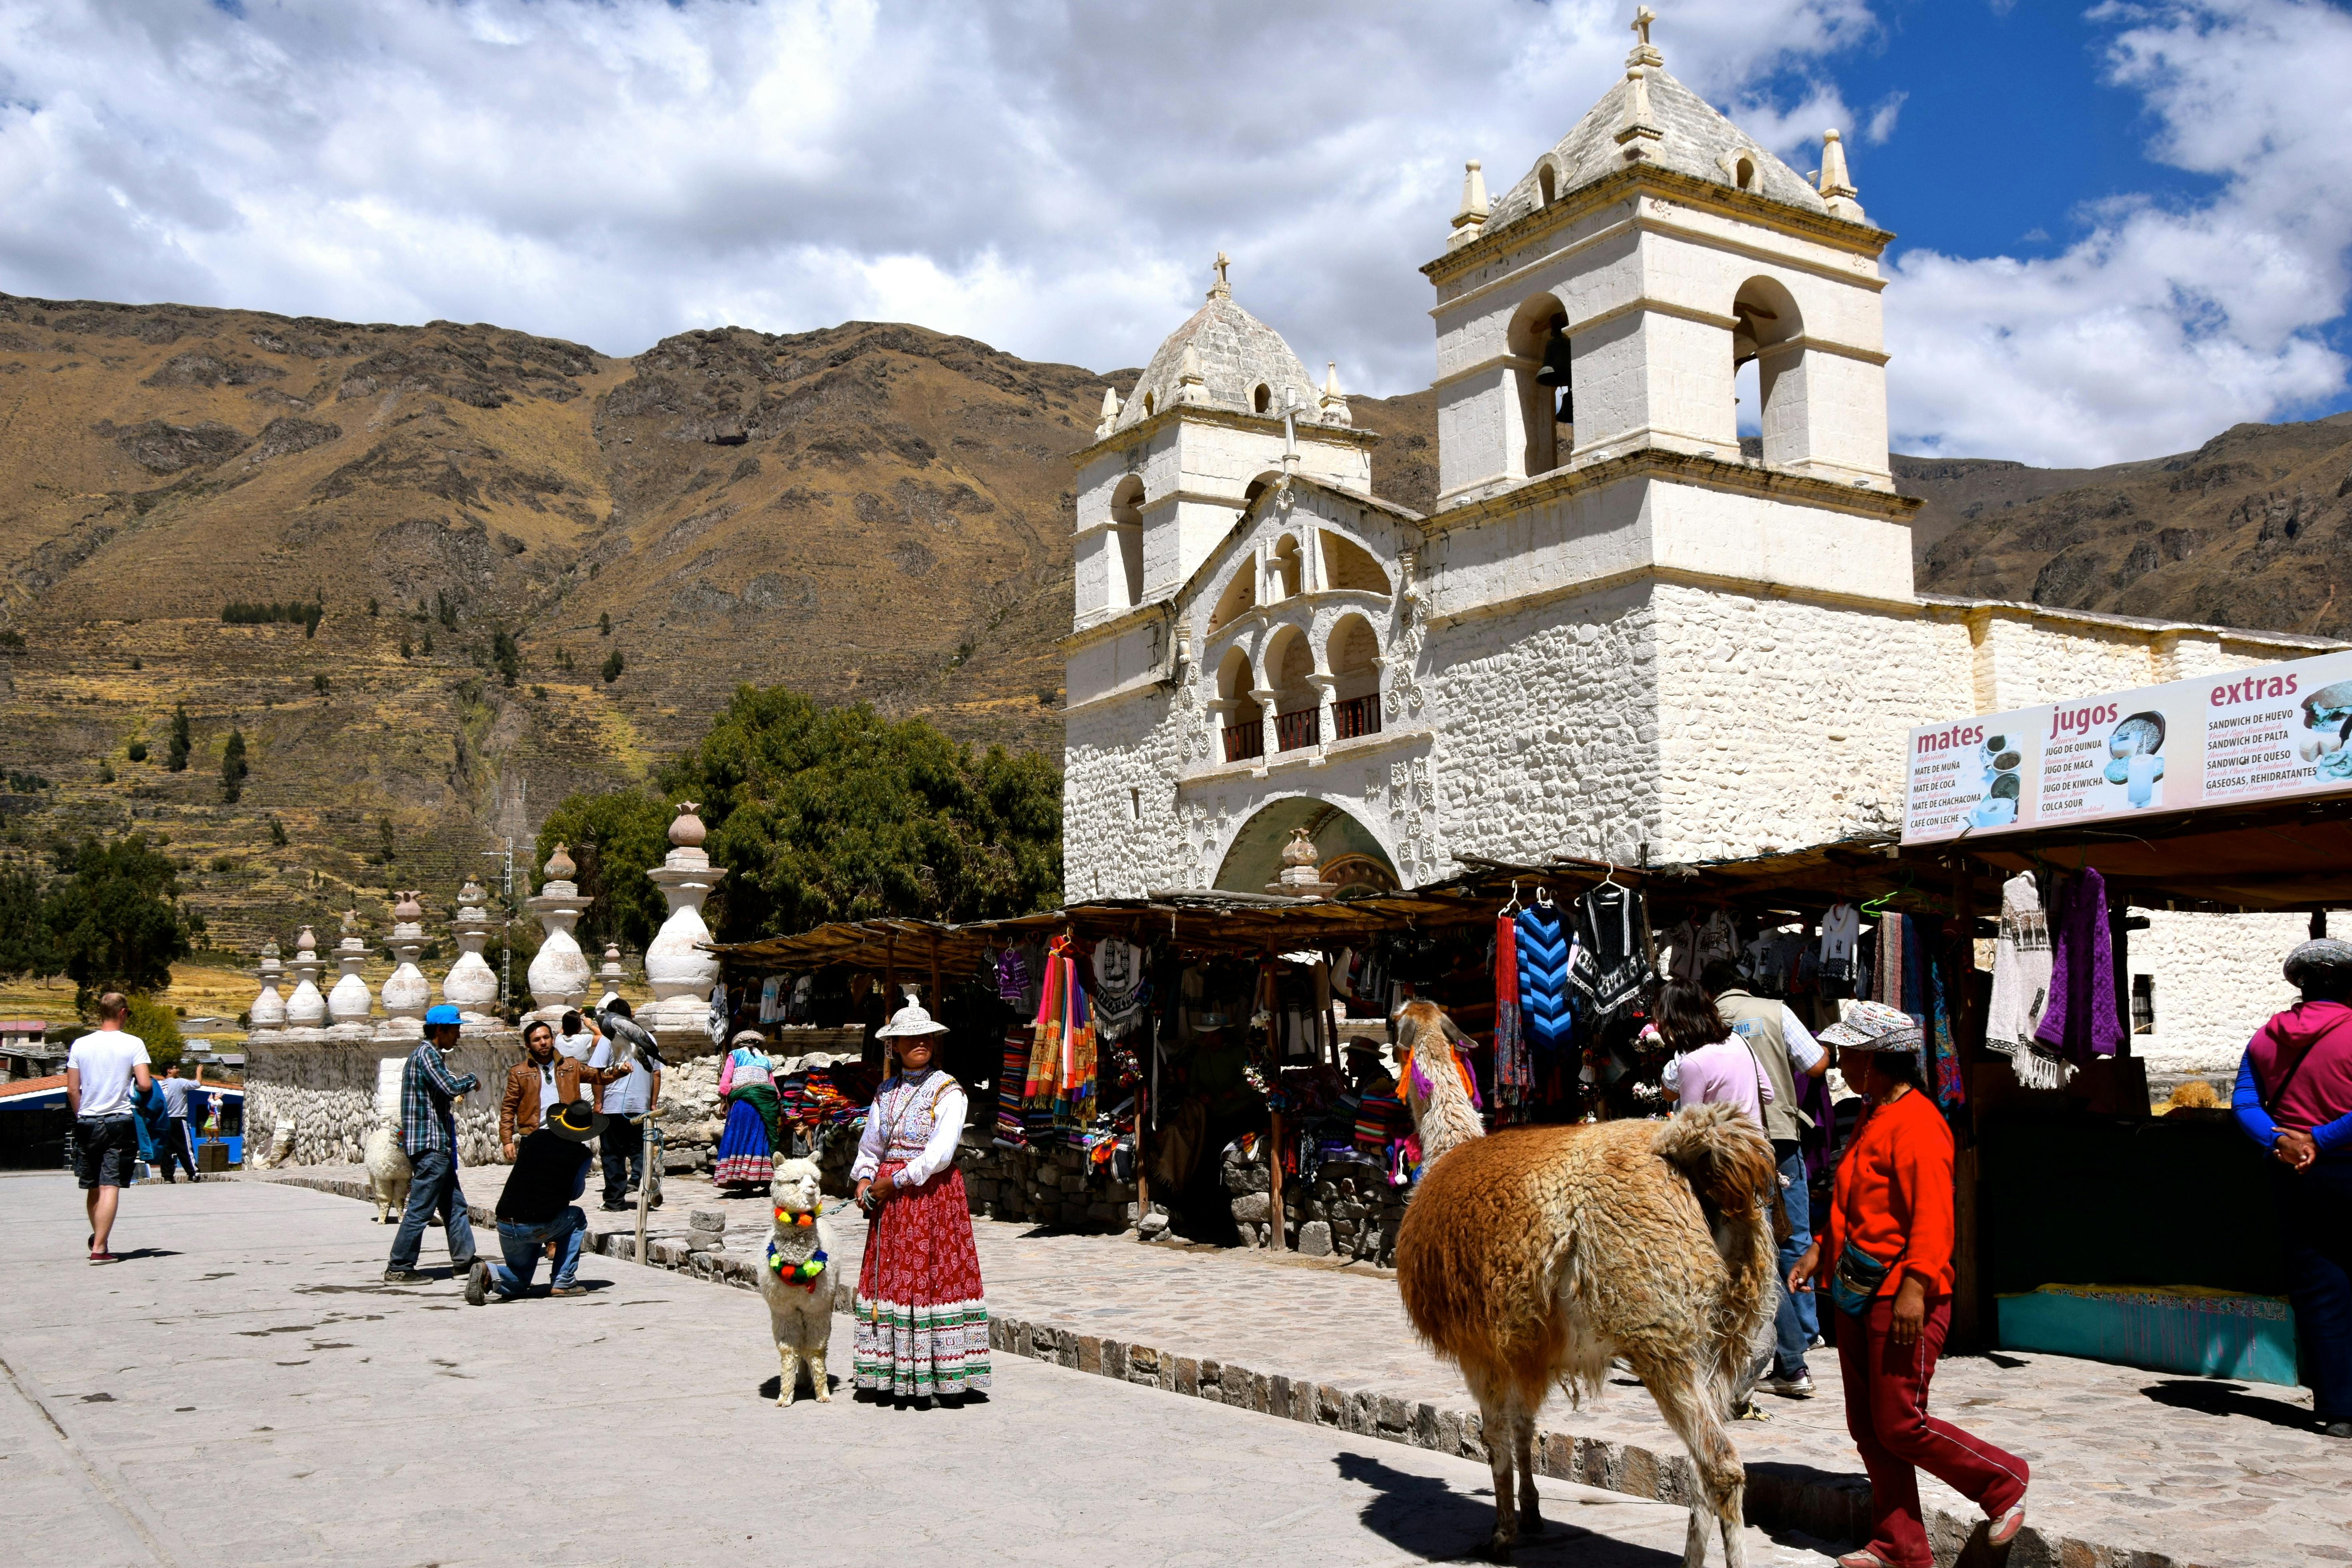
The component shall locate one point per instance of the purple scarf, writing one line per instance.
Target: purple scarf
(2080, 1022)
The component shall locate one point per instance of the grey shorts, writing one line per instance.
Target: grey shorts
(106, 1151)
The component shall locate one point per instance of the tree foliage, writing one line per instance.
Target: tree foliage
(26, 946)
(115, 920)
(821, 814)
(234, 768)
(158, 1029)
(614, 838)
(175, 755)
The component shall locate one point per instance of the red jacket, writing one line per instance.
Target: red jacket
(1893, 1194)
(2315, 1039)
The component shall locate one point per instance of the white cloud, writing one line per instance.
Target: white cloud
(1881, 119)
(1052, 179)
(2166, 322)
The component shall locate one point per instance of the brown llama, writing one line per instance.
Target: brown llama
(1532, 1257)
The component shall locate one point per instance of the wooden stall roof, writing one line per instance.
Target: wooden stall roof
(1249, 925)
(2293, 855)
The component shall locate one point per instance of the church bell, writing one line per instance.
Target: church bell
(1554, 373)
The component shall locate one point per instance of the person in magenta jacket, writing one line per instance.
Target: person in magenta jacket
(2295, 1098)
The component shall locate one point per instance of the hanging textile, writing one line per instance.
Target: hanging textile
(2080, 1022)
(1120, 991)
(767, 989)
(1942, 1075)
(1543, 952)
(1611, 965)
(1840, 932)
(2020, 987)
(1682, 950)
(1718, 938)
(1515, 1080)
(1887, 986)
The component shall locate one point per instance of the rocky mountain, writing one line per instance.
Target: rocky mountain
(2252, 529)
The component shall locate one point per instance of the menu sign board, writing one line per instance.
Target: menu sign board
(2268, 732)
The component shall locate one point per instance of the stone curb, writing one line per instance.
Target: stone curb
(1780, 1496)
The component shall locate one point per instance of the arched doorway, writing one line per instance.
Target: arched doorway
(1355, 859)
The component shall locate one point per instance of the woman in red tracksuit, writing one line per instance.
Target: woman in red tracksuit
(1887, 1268)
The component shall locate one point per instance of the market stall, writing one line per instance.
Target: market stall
(2105, 1231)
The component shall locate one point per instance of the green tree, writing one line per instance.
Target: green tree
(26, 946)
(384, 844)
(605, 623)
(175, 755)
(158, 1029)
(613, 667)
(115, 919)
(505, 657)
(232, 767)
(277, 833)
(138, 752)
(614, 837)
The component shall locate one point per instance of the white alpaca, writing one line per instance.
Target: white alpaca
(388, 1170)
(800, 1310)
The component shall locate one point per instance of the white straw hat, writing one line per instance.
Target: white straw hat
(910, 1019)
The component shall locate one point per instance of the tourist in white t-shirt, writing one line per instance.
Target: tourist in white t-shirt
(102, 1071)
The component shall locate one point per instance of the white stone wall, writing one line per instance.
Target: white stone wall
(1547, 724)
(1782, 722)
(1117, 760)
(2218, 979)
(328, 1089)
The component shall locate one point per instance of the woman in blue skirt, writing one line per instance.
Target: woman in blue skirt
(747, 1148)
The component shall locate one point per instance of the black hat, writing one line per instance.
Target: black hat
(577, 1120)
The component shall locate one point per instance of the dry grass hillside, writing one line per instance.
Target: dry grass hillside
(873, 513)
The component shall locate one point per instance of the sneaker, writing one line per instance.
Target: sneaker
(97, 1256)
(403, 1277)
(2005, 1527)
(2336, 1429)
(1798, 1387)
(477, 1284)
(567, 1289)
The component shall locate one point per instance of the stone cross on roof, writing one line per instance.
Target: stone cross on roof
(1644, 53)
(1220, 289)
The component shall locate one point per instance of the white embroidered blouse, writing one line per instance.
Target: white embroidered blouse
(916, 1119)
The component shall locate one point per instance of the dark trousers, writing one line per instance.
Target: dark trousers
(1886, 1412)
(2314, 1209)
(433, 1185)
(623, 1149)
(176, 1147)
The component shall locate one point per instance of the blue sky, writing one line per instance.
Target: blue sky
(2123, 228)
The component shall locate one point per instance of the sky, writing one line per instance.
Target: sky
(2121, 229)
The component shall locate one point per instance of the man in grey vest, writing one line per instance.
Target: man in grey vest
(1784, 1047)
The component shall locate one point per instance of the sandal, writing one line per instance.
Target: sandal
(2005, 1527)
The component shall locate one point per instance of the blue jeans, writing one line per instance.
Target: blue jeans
(2314, 1209)
(433, 1184)
(1797, 1318)
(522, 1244)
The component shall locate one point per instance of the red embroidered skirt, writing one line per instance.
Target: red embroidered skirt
(921, 1319)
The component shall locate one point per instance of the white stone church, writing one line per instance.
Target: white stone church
(1617, 637)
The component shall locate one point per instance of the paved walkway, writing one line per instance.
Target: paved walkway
(242, 1391)
(2136, 1468)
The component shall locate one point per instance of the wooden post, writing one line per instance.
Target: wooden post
(645, 1183)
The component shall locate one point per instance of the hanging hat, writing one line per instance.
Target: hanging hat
(910, 1019)
(2321, 954)
(577, 1120)
(1204, 1022)
(1872, 1027)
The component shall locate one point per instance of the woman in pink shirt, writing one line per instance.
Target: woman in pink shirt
(1711, 1066)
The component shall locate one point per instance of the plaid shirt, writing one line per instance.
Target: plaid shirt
(425, 1090)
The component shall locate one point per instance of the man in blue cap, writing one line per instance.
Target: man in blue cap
(429, 1131)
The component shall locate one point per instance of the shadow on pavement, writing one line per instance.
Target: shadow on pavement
(1423, 1515)
(2226, 1399)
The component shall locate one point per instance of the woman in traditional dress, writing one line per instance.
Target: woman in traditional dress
(921, 1319)
(747, 1148)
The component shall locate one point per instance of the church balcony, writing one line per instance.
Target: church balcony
(1297, 730)
(1356, 716)
(1244, 742)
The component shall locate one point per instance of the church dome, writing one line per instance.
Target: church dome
(1236, 354)
(1690, 138)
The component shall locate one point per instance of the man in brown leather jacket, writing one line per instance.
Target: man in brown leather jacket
(542, 1080)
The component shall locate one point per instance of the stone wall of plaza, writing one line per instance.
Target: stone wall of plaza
(2217, 979)
(327, 1090)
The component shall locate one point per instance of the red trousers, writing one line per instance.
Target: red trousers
(1886, 1411)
